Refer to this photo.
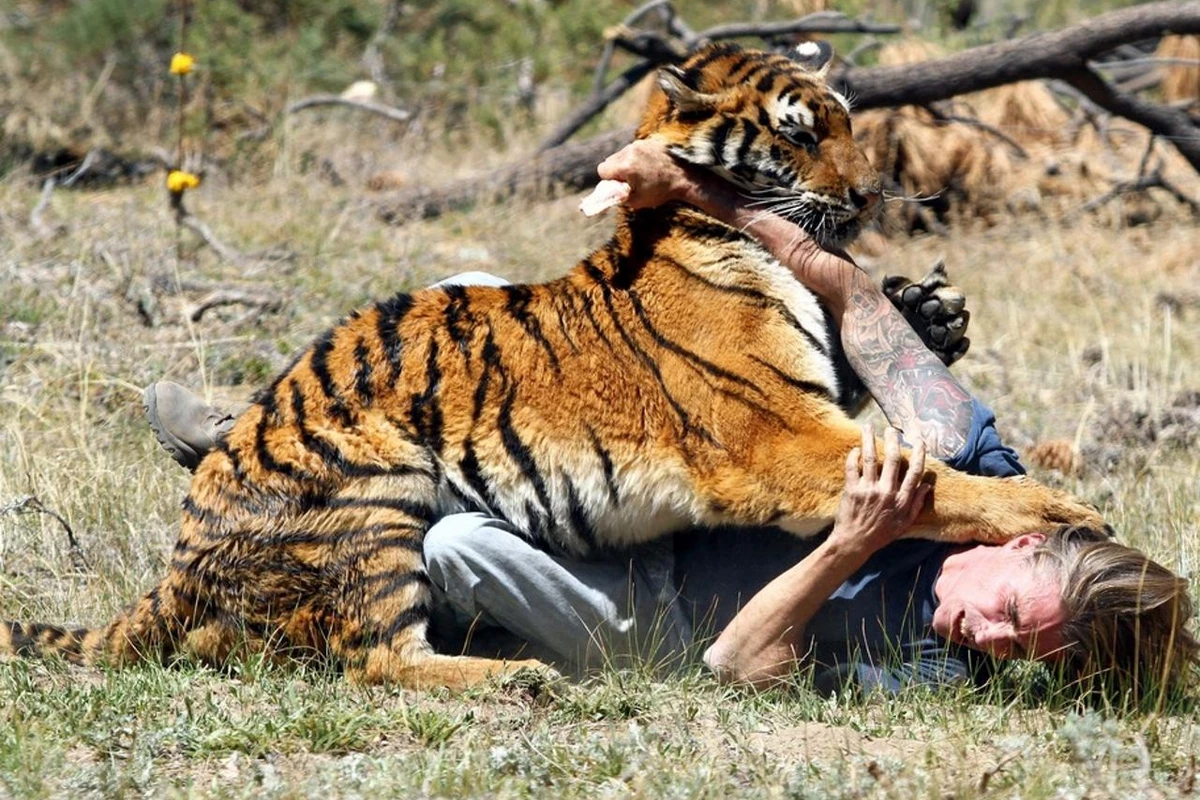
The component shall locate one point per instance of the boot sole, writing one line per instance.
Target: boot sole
(182, 454)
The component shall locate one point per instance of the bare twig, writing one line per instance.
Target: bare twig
(663, 6)
(596, 103)
(390, 112)
(1015, 24)
(1146, 156)
(259, 300)
(31, 503)
(1149, 79)
(943, 116)
(372, 58)
(1129, 63)
(988, 774)
(196, 226)
(81, 170)
(35, 216)
(862, 48)
(1151, 180)
(820, 22)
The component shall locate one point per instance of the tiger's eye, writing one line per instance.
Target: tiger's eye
(801, 138)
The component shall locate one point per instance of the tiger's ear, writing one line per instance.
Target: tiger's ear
(816, 57)
(674, 81)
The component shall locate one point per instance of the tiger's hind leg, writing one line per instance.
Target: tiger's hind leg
(383, 602)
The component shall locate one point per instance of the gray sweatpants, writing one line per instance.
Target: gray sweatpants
(497, 594)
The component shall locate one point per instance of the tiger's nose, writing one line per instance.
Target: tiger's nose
(864, 197)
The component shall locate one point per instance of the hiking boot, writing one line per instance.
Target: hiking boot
(184, 425)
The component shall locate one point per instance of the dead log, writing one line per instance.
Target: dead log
(1064, 55)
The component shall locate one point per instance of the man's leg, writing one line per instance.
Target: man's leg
(184, 425)
(580, 614)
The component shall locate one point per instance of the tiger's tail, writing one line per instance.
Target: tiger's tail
(150, 628)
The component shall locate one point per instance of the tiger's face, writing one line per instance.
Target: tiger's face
(769, 124)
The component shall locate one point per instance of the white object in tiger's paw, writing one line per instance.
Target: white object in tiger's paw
(606, 195)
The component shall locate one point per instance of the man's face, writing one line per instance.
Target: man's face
(992, 599)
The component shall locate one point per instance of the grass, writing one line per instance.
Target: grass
(1071, 340)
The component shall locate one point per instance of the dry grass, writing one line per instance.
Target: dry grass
(1181, 82)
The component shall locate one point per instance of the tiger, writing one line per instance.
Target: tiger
(677, 376)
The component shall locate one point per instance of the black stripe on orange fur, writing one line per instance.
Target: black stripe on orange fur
(519, 298)
(391, 314)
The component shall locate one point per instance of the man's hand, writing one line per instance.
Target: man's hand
(879, 506)
(653, 175)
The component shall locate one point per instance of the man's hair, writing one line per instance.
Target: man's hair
(1127, 616)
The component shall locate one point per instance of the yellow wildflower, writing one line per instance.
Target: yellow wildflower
(179, 181)
(182, 63)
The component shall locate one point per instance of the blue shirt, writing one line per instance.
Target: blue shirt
(874, 631)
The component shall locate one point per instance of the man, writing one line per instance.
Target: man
(858, 607)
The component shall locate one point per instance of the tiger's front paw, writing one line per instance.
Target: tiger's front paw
(935, 309)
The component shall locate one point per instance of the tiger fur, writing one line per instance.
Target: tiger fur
(677, 376)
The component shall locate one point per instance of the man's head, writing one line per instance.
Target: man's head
(991, 598)
(1102, 610)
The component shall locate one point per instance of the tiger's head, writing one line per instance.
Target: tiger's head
(769, 124)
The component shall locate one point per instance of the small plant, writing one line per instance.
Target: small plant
(432, 727)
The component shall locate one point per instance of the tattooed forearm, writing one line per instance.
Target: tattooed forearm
(912, 386)
(916, 391)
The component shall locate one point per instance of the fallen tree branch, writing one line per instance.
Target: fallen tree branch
(820, 22)
(318, 100)
(1172, 124)
(1062, 55)
(595, 104)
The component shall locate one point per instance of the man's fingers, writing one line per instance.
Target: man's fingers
(916, 470)
(891, 459)
(868, 453)
(852, 466)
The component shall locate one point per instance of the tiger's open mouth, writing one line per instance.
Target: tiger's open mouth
(828, 226)
(829, 232)
(829, 222)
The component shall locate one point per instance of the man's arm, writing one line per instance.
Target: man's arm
(912, 386)
(763, 643)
